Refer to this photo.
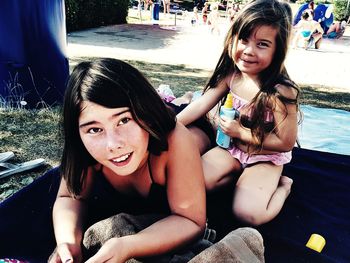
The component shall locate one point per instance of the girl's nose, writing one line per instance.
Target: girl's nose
(248, 49)
(115, 141)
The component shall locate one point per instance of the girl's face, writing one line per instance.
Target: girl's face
(254, 54)
(113, 138)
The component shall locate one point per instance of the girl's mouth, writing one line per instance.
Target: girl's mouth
(248, 62)
(122, 160)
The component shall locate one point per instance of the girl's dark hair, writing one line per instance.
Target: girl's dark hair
(110, 83)
(305, 15)
(258, 13)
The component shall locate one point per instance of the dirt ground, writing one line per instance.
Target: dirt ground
(170, 41)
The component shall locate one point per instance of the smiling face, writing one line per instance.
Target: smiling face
(113, 138)
(254, 54)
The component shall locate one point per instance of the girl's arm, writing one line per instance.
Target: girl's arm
(319, 28)
(282, 139)
(186, 196)
(202, 105)
(67, 216)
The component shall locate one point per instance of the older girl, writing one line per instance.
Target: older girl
(119, 134)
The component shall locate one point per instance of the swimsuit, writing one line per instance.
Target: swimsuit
(246, 158)
(108, 201)
(26, 217)
(306, 33)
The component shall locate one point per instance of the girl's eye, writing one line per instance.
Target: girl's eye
(262, 44)
(244, 40)
(94, 130)
(124, 121)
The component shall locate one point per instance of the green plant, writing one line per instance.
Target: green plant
(341, 10)
(81, 14)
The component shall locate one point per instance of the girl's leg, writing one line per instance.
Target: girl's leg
(294, 39)
(218, 164)
(184, 99)
(317, 40)
(201, 139)
(168, 7)
(260, 193)
(164, 6)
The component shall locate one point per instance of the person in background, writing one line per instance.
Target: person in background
(336, 30)
(205, 12)
(148, 3)
(166, 7)
(308, 30)
(214, 19)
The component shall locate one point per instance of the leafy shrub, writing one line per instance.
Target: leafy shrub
(81, 14)
(340, 10)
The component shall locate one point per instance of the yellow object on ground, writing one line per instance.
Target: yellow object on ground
(316, 242)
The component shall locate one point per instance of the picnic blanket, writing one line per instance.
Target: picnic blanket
(318, 203)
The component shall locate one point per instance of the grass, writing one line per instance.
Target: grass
(32, 134)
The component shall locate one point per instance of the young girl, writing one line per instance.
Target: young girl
(251, 67)
(119, 134)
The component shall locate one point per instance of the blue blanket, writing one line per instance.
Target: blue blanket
(319, 203)
(326, 130)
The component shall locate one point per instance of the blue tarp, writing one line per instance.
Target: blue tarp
(326, 130)
(33, 63)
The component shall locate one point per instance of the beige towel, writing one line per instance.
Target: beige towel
(115, 226)
(241, 245)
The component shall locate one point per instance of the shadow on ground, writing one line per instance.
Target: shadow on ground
(127, 36)
(319, 97)
(180, 77)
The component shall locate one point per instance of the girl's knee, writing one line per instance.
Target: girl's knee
(210, 185)
(249, 213)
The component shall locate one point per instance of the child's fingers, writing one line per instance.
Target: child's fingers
(54, 258)
(101, 256)
(64, 254)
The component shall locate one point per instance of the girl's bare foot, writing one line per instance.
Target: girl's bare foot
(286, 183)
(184, 99)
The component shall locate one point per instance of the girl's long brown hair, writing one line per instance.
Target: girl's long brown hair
(110, 83)
(254, 14)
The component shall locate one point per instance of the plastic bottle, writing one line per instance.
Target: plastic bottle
(222, 139)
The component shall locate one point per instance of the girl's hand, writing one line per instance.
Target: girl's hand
(66, 253)
(112, 251)
(230, 127)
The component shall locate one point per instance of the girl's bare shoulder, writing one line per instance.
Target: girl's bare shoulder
(287, 91)
(231, 78)
(179, 134)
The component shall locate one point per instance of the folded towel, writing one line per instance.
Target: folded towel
(115, 226)
(241, 245)
(124, 224)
